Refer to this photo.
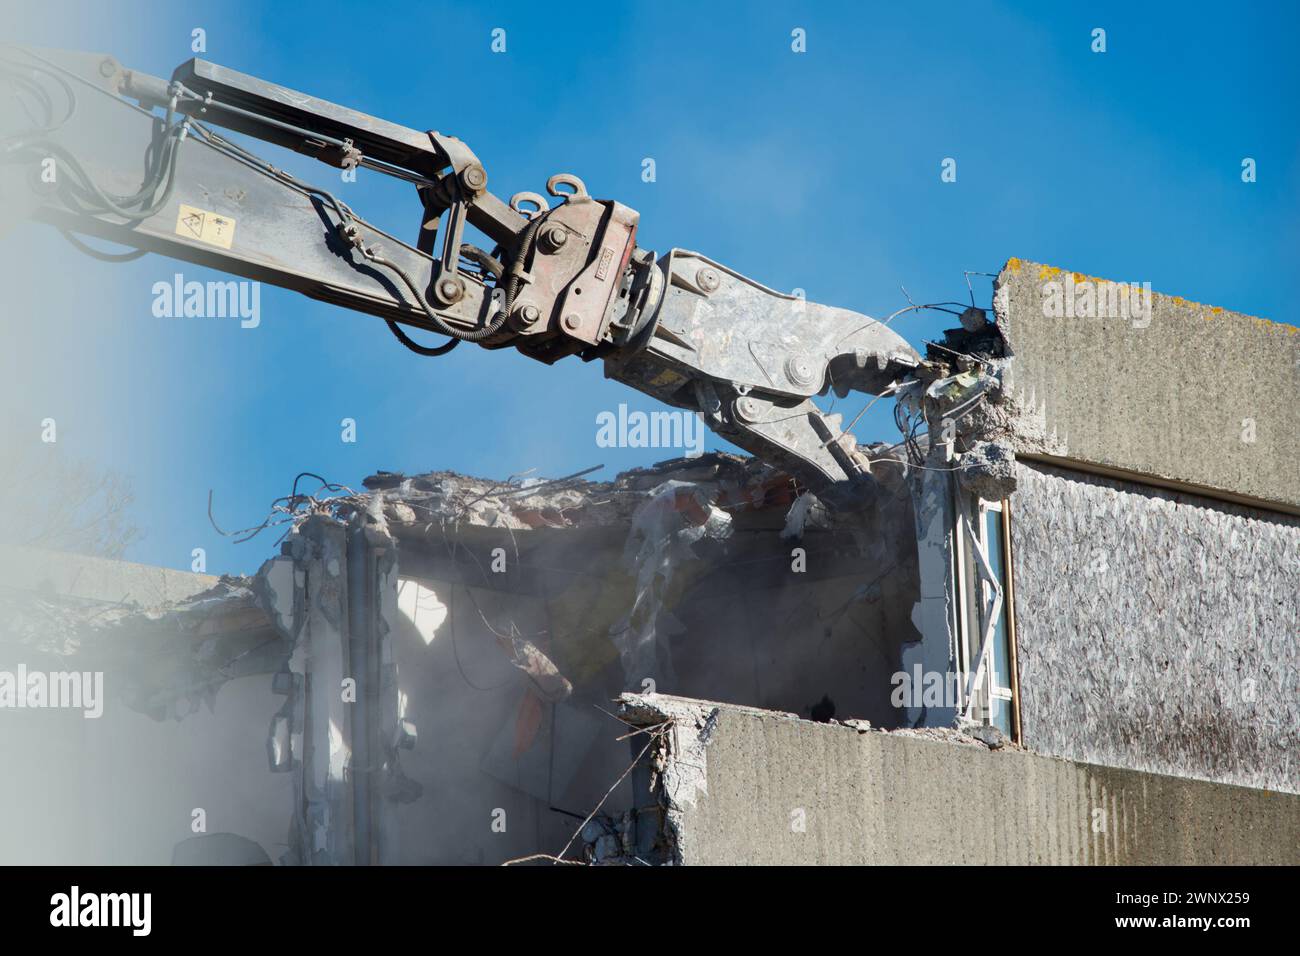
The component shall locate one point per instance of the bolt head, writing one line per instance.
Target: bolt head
(449, 288)
(530, 315)
(799, 370)
(747, 409)
(572, 321)
(553, 238)
(708, 279)
(475, 177)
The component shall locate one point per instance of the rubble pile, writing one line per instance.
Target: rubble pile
(729, 481)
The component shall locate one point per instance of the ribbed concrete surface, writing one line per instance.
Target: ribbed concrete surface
(1166, 396)
(866, 798)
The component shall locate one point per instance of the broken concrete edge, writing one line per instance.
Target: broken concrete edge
(973, 422)
(166, 640)
(228, 634)
(646, 710)
(682, 728)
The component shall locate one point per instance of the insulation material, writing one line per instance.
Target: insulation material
(1157, 630)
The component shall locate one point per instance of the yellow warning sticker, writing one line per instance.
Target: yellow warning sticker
(210, 227)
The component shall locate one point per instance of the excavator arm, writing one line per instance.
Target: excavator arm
(96, 149)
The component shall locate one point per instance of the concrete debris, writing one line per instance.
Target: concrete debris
(682, 758)
(643, 546)
(667, 513)
(805, 510)
(952, 735)
(674, 578)
(1010, 415)
(618, 840)
(958, 390)
(595, 828)
(988, 470)
(973, 422)
(445, 497)
(46, 626)
(607, 848)
(990, 736)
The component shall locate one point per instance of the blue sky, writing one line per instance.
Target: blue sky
(818, 170)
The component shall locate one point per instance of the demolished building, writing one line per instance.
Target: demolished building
(1060, 626)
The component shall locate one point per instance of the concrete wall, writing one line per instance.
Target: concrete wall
(88, 578)
(121, 788)
(1157, 630)
(902, 797)
(1168, 395)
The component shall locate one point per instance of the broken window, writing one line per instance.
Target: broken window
(982, 613)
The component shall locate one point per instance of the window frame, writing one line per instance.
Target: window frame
(967, 616)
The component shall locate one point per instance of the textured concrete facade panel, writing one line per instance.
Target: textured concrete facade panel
(1177, 392)
(1157, 630)
(776, 790)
